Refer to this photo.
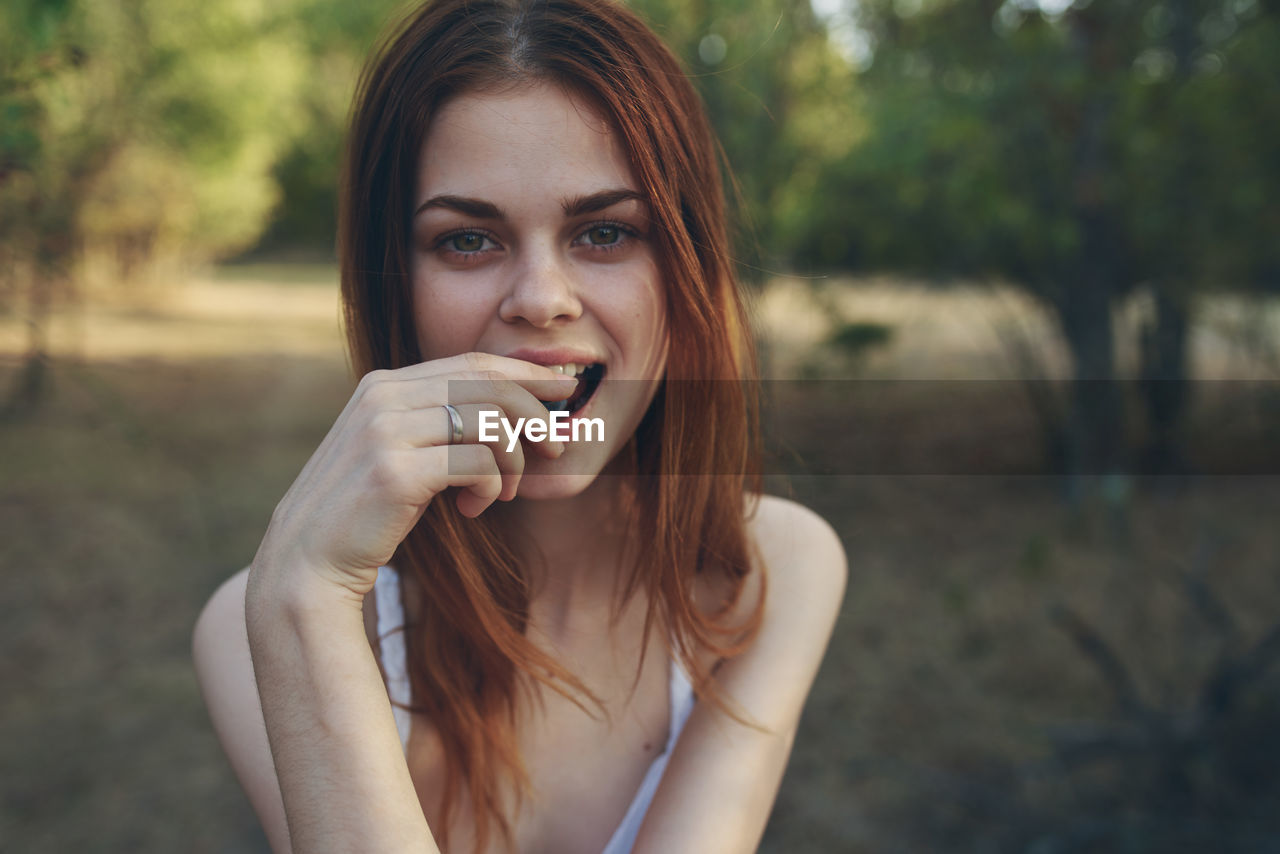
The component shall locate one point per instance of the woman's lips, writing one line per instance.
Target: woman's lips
(550, 356)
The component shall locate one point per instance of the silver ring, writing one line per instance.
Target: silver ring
(455, 424)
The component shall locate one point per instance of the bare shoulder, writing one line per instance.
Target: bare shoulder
(803, 559)
(800, 570)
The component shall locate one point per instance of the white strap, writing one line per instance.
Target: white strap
(391, 645)
(682, 700)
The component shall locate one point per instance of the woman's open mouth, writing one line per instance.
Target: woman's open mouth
(589, 377)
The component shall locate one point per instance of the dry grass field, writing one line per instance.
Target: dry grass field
(1006, 675)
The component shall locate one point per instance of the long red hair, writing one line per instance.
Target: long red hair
(695, 455)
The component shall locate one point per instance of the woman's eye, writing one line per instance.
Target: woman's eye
(604, 235)
(467, 241)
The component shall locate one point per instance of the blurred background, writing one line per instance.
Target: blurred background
(1016, 271)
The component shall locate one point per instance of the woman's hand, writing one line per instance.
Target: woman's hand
(389, 454)
(342, 777)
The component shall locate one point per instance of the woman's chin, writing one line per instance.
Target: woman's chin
(546, 487)
(567, 477)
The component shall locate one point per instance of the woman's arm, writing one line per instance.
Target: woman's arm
(333, 738)
(309, 713)
(722, 779)
(225, 669)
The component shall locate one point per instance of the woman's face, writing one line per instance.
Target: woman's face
(531, 240)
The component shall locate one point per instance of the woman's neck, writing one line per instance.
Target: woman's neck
(577, 551)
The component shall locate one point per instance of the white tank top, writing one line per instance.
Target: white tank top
(391, 640)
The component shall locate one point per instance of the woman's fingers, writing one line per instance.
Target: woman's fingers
(426, 428)
(516, 385)
(495, 413)
(499, 401)
(473, 468)
(474, 363)
(492, 395)
(423, 428)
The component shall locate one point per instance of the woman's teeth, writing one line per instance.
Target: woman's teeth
(589, 377)
(569, 369)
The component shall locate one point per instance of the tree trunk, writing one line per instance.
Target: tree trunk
(1095, 420)
(1163, 372)
(31, 382)
(1094, 278)
(1164, 383)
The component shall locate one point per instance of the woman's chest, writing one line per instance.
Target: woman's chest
(585, 765)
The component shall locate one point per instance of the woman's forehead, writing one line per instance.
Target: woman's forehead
(523, 141)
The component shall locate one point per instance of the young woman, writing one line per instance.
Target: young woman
(538, 646)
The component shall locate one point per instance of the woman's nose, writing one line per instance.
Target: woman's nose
(542, 291)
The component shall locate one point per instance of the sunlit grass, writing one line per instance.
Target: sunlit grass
(228, 312)
(951, 333)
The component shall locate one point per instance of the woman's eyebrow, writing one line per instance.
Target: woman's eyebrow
(579, 205)
(573, 207)
(471, 207)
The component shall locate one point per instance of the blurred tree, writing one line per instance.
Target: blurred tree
(204, 103)
(1201, 156)
(336, 36)
(782, 100)
(1080, 151)
(133, 132)
(47, 157)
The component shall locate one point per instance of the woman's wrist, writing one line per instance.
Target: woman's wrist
(290, 588)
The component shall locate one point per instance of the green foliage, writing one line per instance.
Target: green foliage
(857, 337)
(143, 128)
(1000, 135)
(782, 100)
(336, 37)
(1200, 130)
(847, 347)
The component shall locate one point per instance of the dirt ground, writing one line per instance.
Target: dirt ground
(940, 721)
